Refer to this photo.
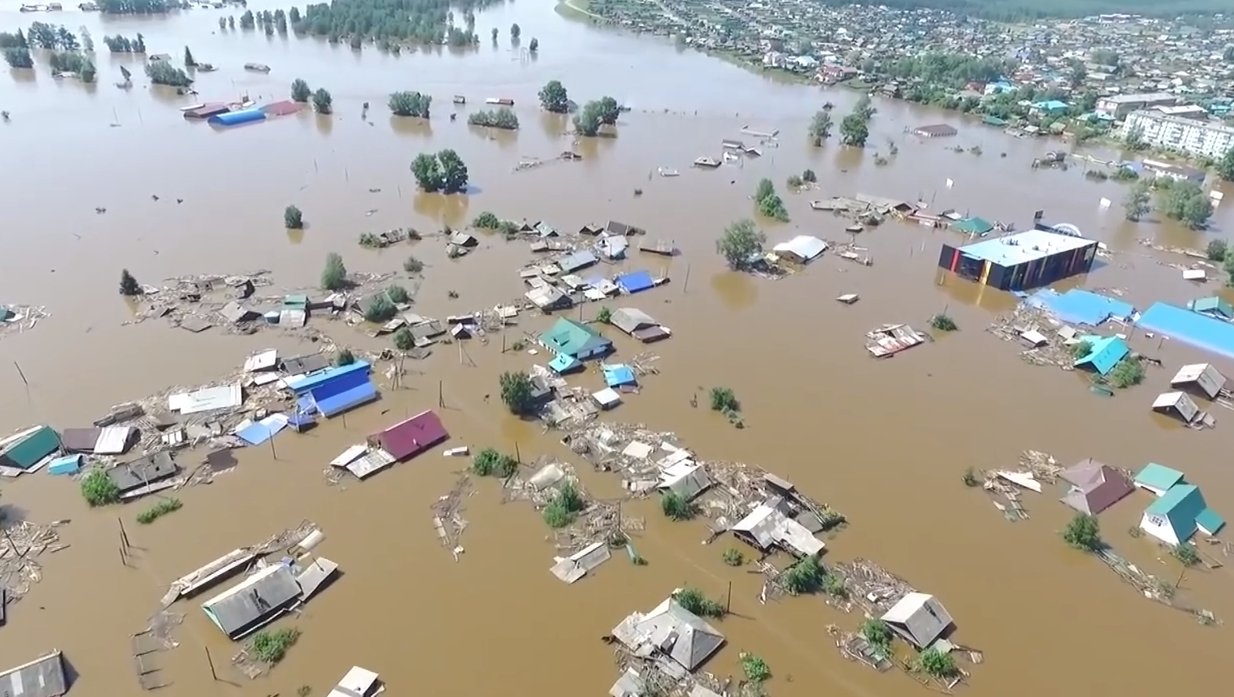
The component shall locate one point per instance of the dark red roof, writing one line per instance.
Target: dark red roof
(409, 438)
(282, 108)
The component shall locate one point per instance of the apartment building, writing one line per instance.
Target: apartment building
(1120, 105)
(1201, 138)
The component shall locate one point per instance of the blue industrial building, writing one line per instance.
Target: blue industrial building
(1199, 330)
(332, 391)
(235, 118)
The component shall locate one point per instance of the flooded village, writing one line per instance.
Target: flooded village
(954, 423)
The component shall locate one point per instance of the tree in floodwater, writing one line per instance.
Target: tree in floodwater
(494, 34)
(553, 97)
(189, 61)
(18, 58)
(1139, 201)
(534, 45)
(740, 243)
(515, 32)
(820, 127)
(322, 101)
(129, 285)
(300, 91)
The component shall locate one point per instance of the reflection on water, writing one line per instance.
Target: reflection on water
(295, 236)
(448, 209)
(324, 123)
(737, 291)
(412, 126)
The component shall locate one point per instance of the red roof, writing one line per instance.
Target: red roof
(409, 438)
(282, 108)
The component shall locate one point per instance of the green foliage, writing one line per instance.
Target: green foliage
(877, 633)
(380, 309)
(128, 284)
(489, 462)
(270, 646)
(854, 130)
(773, 207)
(98, 489)
(189, 61)
(159, 510)
(503, 117)
(444, 172)
(293, 218)
(14, 40)
(604, 316)
(1217, 249)
(937, 664)
(394, 22)
(52, 37)
(794, 181)
(486, 221)
(68, 62)
(1081, 349)
(534, 45)
(865, 107)
(733, 557)
(164, 73)
(676, 506)
(334, 275)
(740, 244)
(809, 176)
(556, 516)
(123, 44)
(970, 478)
(135, 7)
(951, 70)
(410, 104)
(1139, 200)
(1225, 166)
(344, 357)
(398, 294)
(516, 392)
(1084, 532)
(404, 340)
(565, 505)
(322, 101)
(833, 585)
(553, 97)
(943, 322)
(693, 600)
(413, 265)
(610, 110)
(724, 399)
(18, 57)
(1127, 372)
(820, 127)
(1186, 553)
(588, 120)
(1187, 203)
(755, 668)
(515, 31)
(805, 576)
(87, 71)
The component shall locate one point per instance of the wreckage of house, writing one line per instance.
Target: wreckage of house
(768, 527)
(919, 618)
(677, 640)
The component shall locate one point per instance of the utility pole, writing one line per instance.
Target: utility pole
(441, 400)
(124, 535)
(518, 457)
(685, 288)
(210, 661)
(728, 604)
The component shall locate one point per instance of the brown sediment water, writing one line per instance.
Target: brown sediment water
(884, 442)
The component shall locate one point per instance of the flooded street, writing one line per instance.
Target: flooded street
(885, 442)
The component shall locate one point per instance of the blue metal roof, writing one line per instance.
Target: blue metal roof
(340, 402)
(617, 375)
(564, 363)
(635, 281)
(1104, 354)
(320, 377)
(235, 118)
(1189, 327)
(1078, 306)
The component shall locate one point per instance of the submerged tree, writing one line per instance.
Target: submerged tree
(1083, 532)
(517, 393)
(740, 244)
(300, 91)
(820, 127)
(444, 172)
(18, 58)
(1139, 201)
(588, 120)
(322, 101)
(293, 218)
(128, 284)
(515, 32)
(534, 45)
(164, 73)
(854, 131)
(410, 104)
(189, 61)
(334, 275)
(553, 97)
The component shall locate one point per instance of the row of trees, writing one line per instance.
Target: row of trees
(136, 7)
(123, 44)
(1185, 202)
(13, 40)
(416, 21)
(444, 172)
(495, 118)
(410, 104)
(594, 114)
(769, 202)
(323, 103)
(164, 73)
(51, 37)
(855, 127)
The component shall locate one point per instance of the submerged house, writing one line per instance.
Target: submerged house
(1199, 330)
(678, 640)
(919, 618)
(254, 602)
(1213, 307)
(638, 324)
(1199, 379)
(1179, 406)
(767, 527)
(548, 298)
(1024, 260)
(145, 475)
(28, 448)
(575, 340)
(407, 439)
(42, 677)
(1158, 478)
(1179, 514)
(802, 249)
(334, 390)
(1104, 352)
(1094, 486)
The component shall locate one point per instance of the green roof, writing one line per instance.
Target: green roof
(5, 313)
(25, 450)
(1212, 305)
(1158, 476)
(973, 226)
(295, 301)
(572, 338)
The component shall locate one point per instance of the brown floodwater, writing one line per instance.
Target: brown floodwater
(884, 442)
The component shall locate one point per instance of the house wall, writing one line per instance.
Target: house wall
(593, 353)
(1160, 528)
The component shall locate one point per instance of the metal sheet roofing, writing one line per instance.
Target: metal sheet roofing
(672, 630)
(635, 281)
(314, 380)
(42, 677)
(1078, 306)
(206, 399)
(1157, 476)
(412, 436)
(1103, 354)
(803, 247)
(919, 618)
(1203, 332)
(1023, 247)
(256, 598)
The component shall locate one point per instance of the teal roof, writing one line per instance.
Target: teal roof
(1210, 521)
(572, 338)
(1104, 353)
(5, 313)
(1212, 305)
(1182, 506)
(1158, 476)
(295, 300)
(973, 226)
(562, 363)
(31, 446)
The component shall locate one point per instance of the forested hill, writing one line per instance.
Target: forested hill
(1013, 10)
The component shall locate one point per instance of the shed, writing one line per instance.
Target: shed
(462, 239)
(1158, 478)
(919, 618)
(358, 682)
(115, 440)
(562, 364)
(635, 281)
(973, 226)
(547, 297)
(254, 601)
(606, 398)
(1199, 379)
(766, 527)
(42, 677)
(236, 118)
(1179, 514)
(671, 631)
(236, 313)
(619, 374)
(1103, 354)
(638, 324)
(575, 340)
(69, 464)
(27, 448)
(1094, 486)
(1178, 405)
(301, 365)
(136, 474)
(1213, 307)
(79, 440)
(572, 568)
(614, 227)
(410, 437)
(801, 249)
(576, 261)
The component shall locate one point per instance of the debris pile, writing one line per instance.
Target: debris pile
(448, 521)
(1045, 339)
(19, 318)
(21, 545)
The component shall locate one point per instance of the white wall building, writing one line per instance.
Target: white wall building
(1205, 138)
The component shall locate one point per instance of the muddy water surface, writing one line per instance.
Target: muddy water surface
(884, 442)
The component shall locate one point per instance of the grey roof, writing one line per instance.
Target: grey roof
(578, 260)
(670, 630)
(919, 618)
(142, 471)
(42, 677)
(258, 597)
(305, 364)
(79, 440)
(630, 319)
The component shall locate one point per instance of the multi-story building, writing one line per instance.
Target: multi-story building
(1203, 138)
(1120, 105)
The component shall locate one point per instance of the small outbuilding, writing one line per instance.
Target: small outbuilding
(1094, 486)
(1158, 478)
(801, 249)
(254, 601)
(42, 677)
(638, 324)
(1104, 352)
(1212, 306)
(1179, 406)
(635, 282)
(1200, 379)
(358, 682)
(919, 618)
